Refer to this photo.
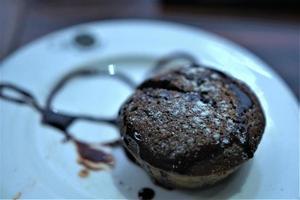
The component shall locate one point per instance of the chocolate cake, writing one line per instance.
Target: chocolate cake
(191, 126)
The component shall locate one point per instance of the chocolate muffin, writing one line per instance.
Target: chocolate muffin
(191, 126)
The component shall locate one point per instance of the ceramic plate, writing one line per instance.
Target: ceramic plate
(36, 164)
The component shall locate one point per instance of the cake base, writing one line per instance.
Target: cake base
(169, 179)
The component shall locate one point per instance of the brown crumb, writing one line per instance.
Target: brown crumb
(84, 173)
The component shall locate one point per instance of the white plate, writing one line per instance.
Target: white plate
(34, 162)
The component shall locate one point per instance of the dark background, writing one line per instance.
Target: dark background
(268, 28)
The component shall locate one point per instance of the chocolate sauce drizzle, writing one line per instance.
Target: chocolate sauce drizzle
(90, 156)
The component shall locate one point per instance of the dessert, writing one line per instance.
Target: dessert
(191, 126)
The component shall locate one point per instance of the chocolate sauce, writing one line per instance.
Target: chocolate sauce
(90, 156)
(84, 72)
(57, 120)
(84, 173)
(146, 194)
(24, 97)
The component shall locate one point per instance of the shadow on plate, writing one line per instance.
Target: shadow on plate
(229, 187)
(130, 179)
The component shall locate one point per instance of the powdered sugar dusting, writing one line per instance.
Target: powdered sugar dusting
(215, 76)
(177, 108)
(185, 111)
(216, 136)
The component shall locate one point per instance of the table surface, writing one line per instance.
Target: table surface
(271, 35)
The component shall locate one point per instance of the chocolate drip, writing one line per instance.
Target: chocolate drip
(245, 101)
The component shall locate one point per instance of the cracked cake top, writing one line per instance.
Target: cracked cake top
(192, 120)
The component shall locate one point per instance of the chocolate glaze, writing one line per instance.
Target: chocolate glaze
(244, 100)
(146, 194)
